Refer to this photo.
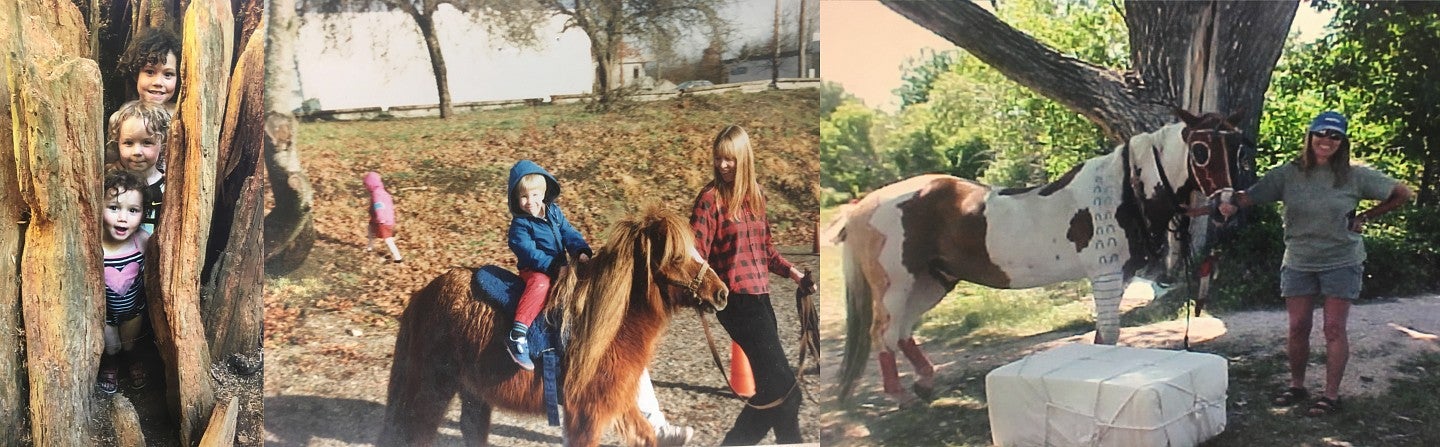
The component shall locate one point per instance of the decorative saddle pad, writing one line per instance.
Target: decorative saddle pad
(502, 288)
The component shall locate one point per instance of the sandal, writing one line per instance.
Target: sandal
(138, 376)
(1324, 406)
(1291, 396)
(109, 380)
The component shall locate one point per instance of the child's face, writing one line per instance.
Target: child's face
(121, 217)
(532, 200)
(156, 82)
(139, 149)
(726, 166)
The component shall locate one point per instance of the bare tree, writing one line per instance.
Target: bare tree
(608, 23)
(515, 21)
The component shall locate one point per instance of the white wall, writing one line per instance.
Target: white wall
(380, 60)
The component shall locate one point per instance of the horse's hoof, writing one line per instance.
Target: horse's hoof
(926, 393)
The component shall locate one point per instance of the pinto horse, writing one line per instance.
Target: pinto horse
(615, 308)
(906, 245)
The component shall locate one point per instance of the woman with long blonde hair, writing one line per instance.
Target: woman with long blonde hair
(732, 233)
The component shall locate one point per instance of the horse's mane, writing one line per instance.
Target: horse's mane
(596, 298)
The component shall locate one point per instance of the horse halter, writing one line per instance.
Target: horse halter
(1214, 172)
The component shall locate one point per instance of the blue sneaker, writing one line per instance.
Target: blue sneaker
(519, 350)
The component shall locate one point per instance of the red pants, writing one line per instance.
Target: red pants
(537, 285)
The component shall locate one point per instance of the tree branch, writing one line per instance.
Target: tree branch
(1094, 92)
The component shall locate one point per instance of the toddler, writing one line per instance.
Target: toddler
(382, 215)
(123, 242)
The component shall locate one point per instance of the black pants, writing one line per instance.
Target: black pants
(750, 320)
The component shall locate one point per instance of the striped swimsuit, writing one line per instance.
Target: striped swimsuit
(124, 285)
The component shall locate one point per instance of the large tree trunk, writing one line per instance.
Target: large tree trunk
(235, 275)
(51, 122)
(289, 228)
(57, 140)
(1198, 55)
(426, 21)
(185, 222)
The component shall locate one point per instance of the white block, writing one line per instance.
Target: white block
(1095, 395)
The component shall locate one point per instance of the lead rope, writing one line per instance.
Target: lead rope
(808, 314)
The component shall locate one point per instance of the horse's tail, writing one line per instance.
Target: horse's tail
(859, 317)
(835, 231)
(423, 375)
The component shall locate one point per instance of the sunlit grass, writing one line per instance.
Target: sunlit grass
(972, 312)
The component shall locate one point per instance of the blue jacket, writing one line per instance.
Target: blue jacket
(540, 244)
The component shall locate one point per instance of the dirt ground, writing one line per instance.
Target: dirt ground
(1382, 334)
(331, 391)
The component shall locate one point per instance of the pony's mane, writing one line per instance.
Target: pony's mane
(596, 297)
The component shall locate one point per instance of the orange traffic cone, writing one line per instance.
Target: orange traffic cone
(741, 380)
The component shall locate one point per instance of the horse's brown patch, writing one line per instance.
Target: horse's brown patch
(1062, 182)
(1081, 229)
(945, 229)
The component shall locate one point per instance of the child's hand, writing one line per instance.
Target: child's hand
(584, 258)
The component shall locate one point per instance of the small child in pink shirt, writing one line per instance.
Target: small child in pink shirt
(382, 215)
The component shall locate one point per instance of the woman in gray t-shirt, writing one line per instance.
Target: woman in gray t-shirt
(1324, 253)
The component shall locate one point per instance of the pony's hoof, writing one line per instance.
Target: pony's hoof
(926, 393)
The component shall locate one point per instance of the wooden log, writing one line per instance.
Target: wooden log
(126, 422)
(185, 222)
(221, 430)
(232, 311)
(57, 144)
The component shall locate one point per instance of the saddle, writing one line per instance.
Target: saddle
(502, 288)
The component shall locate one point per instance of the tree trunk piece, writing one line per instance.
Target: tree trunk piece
(232, 314)
(185, 222)
(57, 166)
(126, 422)
(221, 431)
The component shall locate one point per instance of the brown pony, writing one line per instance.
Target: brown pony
(615, 308)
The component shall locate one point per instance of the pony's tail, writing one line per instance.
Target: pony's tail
(835, 231)
(859, 317)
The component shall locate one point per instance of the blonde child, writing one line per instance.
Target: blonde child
(541, 237)
(138, 132)
(382, 215)
(123, 243)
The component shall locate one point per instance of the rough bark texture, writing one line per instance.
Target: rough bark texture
(221, 431)
(126, 422)
(12, 352)
(185, 222)
(57, 145)
(1199, 55)
(289, 230)
(232, 311)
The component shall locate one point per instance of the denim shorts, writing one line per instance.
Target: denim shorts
(1339, 282)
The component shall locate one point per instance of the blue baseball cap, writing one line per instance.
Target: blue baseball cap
(1329, 120)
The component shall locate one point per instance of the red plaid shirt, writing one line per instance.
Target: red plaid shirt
(739, 251)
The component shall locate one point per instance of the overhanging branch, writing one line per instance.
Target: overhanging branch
(1094, 92)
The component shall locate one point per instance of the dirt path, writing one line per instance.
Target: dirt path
(330, 391)
(1382, 334)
